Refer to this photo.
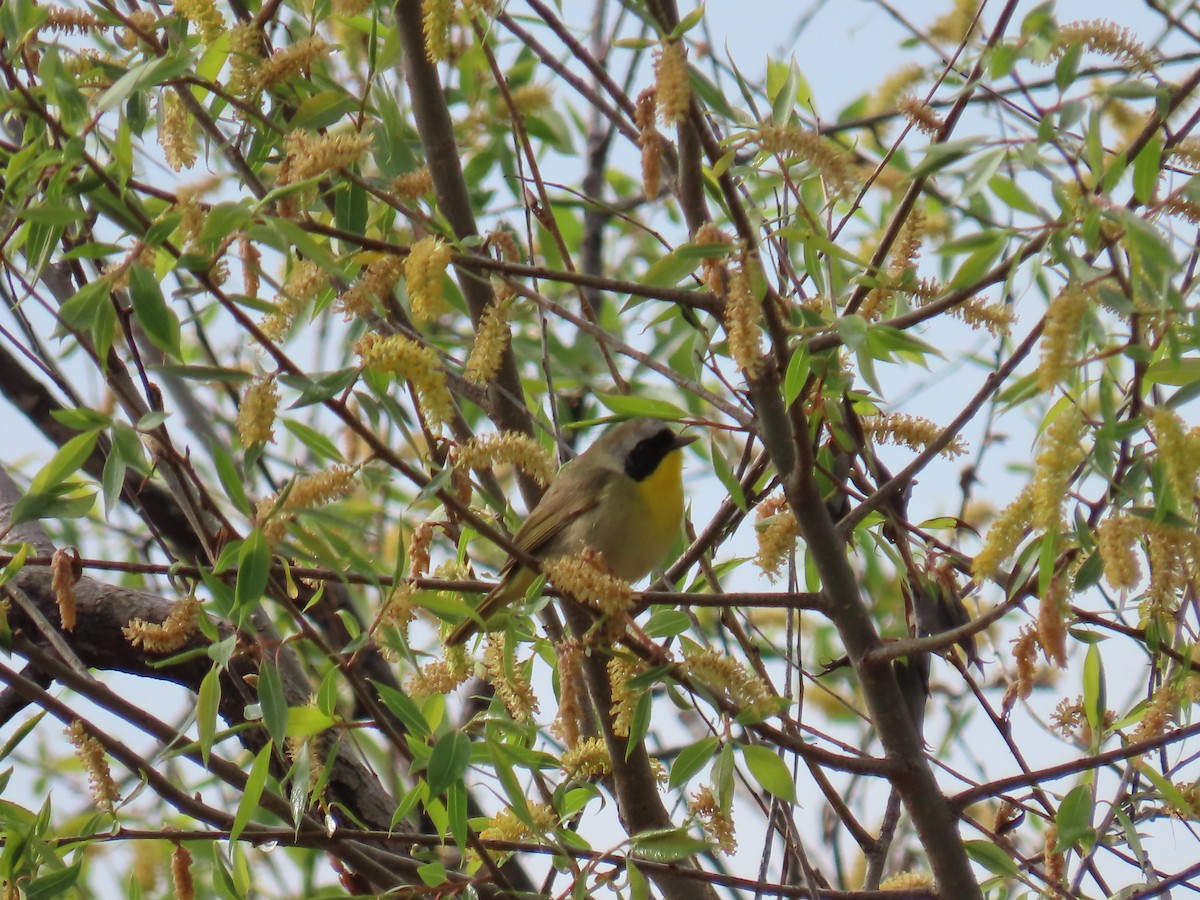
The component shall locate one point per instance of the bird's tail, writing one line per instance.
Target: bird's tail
(512, 587)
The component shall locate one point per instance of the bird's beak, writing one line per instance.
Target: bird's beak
(682, 440)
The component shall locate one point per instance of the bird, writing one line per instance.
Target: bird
(622, 497)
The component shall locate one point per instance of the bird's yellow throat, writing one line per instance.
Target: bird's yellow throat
(662, 492)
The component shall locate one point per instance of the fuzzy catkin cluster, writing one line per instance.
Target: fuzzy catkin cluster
(586, 578)
(171, 634)
(95, 763)
(397, 355)
(509, 678)
(256, 412)
(424, 270)
(508, 448)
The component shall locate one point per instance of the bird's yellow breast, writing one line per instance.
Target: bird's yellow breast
(661, 492)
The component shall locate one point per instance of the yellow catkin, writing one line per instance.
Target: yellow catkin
(491, 341)
(907, 881)
(587, 759)
(245, 56)
(398, 355)
(442, 675)
(304, 282)
(568, 722)
(65, 570)
(620, 670)
(894, 86)
(530, 98)
(424, 272)
(1158, 714)
(61, 20)
(350, 8)
(651, 142)
(311, 154)
(1004, 536)
(1105, 38)
(436, 17)
(714, 268)
(1117, 539)
(1058, 456)
(143, 20)
(1055, 862)
(921, 115)
(291, 61)
(957, 25)
(203, 14)
(175, 135)
(743, 319)
(777, 530)
(716, 822)
(307, 492)
(1060, 338)
(375, 285)
(1025, 651)
(508, 448)
(509, 679)
(672, 83)
(1174, 555)
(91, 755)
(728, 678)
(181, 874)
(171, 634)
(505, 826)
(418, 550)
(413, 185)
(833, 164)
(995, 318)
(251, 259)
(400, 609)
(1051, 624)
(914, 432)
(586, 578)
(256, 413)
(1177, 454)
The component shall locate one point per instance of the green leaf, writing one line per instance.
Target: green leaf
(853, 331)
(273, 701)
(1074, 817)
(112, 481)
(667, 845)
(1094, 691)
(305, 721)
(69, 458)
(402, 706)
(727, 477)
(313, 440)
(991, 857)
(63, 502)
(688, 22)
(1011, 195)
(254, 568)
(769, 771)
(1147, 168)
(451, 756)
(944, 154)
(208, 701)
(975, 266)
(692, 759)
(255, 782)
(156, 318)
(648, 407)
(796, 375)
(55, 884)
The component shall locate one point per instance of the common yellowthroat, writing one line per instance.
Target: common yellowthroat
(622, 497)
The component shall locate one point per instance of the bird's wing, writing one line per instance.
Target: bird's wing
(561, 505)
